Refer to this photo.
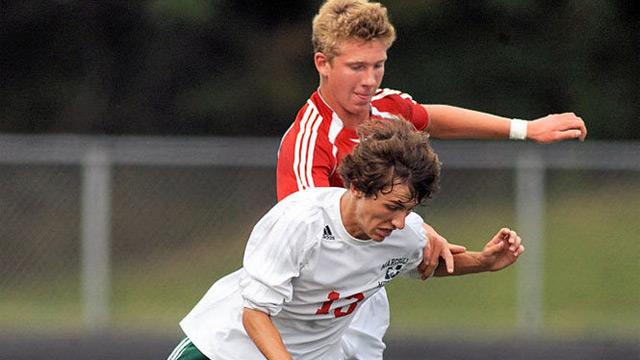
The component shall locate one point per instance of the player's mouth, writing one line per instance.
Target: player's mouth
(385, 232)
(364, 97)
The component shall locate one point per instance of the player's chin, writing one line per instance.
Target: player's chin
(381, 234)
(361, 103)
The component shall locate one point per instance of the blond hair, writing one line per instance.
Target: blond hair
(339, 20)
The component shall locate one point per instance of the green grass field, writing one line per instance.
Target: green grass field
(591, 274)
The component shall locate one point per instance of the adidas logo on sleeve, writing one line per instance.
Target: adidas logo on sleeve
(327, 234)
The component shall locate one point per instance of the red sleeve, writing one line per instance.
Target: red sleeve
(419, 116)
(397, 103)
(305, 157)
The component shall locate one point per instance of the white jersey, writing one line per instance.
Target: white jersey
(303, 269)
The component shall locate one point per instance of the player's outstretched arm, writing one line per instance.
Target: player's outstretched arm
(438, 247)
(450, 122)
(501, 251)
(264, 334)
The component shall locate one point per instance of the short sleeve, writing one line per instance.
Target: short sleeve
(395, 103)
(414, 224)
(278, 248)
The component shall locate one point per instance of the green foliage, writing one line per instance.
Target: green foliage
(187, 11)
(239, 67)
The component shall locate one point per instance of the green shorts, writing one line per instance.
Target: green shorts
(186, 351)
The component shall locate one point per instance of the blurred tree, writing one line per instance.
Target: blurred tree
(216, 67)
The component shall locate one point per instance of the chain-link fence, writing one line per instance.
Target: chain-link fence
(128, 233)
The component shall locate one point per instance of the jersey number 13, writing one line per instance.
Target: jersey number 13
(339, 312)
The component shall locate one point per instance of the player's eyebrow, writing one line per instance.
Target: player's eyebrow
(404, 204)
(361, 62)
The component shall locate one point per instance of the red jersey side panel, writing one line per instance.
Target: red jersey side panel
(304, 158)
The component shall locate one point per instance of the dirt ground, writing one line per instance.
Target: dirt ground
(142, 347)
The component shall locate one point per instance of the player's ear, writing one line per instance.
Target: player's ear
(322, 63)
(357, 194)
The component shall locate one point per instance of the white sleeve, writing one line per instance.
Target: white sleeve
(277, 249)
(416, 230)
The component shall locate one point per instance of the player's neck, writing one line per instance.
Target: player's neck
(348, 216)
(350, 120)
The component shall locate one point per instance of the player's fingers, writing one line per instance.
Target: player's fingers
(437, 249)
(422, 265)
(422, 268)
(425, 270)
(431, 265)
(513, 240)
(448, 259)
(569, 134)
(520, 250)
(426, 254)
(502, 235)
(494, 248)
(572, 127)
(457, 249)
(559, 127)
(428, 263)
(517, 240)
(583, 133)
(581, 127)
(566, 121)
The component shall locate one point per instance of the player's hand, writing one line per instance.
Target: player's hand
(556, 127)
(437, 248)
(502, 251)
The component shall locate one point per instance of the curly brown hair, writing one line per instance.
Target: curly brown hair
(392, 152)
(339, 20)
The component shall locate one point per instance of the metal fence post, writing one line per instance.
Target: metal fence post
(96, 190)
(530, 200)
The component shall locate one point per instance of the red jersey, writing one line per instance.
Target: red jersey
(316, 142)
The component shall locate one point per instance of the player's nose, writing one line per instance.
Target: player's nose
(369, 78)
(398, 220)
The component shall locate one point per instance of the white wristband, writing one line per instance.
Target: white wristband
(518, 130)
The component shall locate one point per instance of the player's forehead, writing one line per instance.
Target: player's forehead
(356, 50)
(399, 193)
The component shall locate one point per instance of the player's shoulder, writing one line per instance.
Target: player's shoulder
(299, 217)
(313, 120)
(386, 94)
(389, 103)
(311, 205)
(414, 229)
(414, 221)
(314, 110)
(313, 198)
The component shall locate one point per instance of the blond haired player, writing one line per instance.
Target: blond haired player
(350, 40)
(317, 257)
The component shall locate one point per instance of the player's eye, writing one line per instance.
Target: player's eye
(392, 207)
